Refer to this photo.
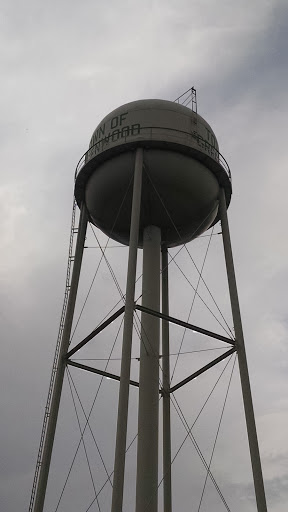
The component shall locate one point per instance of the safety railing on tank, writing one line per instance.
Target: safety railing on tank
(208, 150)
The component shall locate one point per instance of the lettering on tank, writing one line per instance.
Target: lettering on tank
(111, 131)
(207, 142)
(118, 129)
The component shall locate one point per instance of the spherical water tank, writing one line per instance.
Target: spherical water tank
(182, 173)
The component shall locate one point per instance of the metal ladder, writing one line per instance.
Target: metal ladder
(73, 231)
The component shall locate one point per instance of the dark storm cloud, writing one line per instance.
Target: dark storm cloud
(261, 71)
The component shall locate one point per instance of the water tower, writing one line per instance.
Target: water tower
(152, 178)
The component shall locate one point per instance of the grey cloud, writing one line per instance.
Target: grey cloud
(276, 489)
(65, 67)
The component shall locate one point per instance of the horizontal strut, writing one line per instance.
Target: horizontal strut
(202, 370)
(96, 331)
(99, 372)
(186, 325)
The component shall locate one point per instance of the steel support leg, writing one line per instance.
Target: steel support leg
(58, 384)
(167, 495)
(148, 411)
(243, 368)
(121, 434)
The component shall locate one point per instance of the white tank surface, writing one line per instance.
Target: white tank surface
(183, 171)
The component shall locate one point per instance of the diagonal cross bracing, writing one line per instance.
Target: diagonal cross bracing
(99, 372)
(202, 370)
(96, 331)
(186, 325)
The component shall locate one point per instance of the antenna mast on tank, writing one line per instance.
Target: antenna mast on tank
(188, 99)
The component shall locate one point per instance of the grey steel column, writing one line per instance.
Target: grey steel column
(121, 435)
(58, 384)
(166, 386)
(148, 409)
(243, 368)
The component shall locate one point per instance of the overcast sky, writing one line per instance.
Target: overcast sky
(65, 65)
